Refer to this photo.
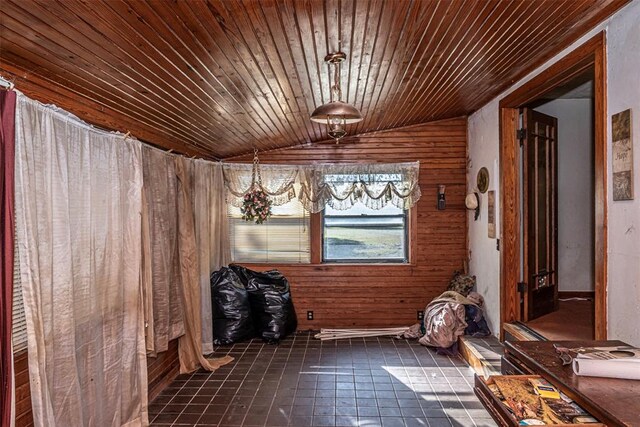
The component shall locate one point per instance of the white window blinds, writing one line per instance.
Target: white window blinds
(19, 323)
(283, 238)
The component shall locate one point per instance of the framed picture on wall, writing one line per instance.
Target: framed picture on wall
(491, 214)
(622, 156)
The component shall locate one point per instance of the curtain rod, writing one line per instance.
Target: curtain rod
(6, 84)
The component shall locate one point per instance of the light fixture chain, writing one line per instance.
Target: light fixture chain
(336, 82)
(256, 171)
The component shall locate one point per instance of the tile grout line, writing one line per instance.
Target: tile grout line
(223, 381)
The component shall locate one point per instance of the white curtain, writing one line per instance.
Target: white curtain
(277, 181)
(212, 235)
(341, 185)
(78, 194)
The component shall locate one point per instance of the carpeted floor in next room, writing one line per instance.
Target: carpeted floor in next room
(306, 382)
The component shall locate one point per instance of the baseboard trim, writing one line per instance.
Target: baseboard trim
(576, 294)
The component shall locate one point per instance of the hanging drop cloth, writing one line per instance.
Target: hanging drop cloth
(165, 317)
(190, 344)
(78, 194)
(212, 236)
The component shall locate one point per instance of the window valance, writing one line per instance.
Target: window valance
(277, 181)
(335, 184)
(373, 184)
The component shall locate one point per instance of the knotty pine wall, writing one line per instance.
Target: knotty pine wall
(388, 295)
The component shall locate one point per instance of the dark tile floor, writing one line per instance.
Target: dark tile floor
(306, 382)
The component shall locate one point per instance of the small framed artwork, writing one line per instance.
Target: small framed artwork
(491, 214)
(622, 156)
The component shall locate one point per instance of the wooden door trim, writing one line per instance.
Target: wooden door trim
(591, 54)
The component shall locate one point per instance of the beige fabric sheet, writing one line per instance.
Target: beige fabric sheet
(190, 344)
(78, 194)
(212, 235)
(160, 257)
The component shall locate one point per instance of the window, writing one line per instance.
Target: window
(282, 238)
(361, 234)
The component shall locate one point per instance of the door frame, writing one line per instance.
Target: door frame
(591, 54)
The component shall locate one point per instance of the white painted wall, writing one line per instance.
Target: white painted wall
(484, 258)
(623, 249)
(575, 192)
(623, 87)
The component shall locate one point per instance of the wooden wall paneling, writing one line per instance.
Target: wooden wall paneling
(590, 54)
(220, 78)
(163, 369)
(24, 414)
(386, 294)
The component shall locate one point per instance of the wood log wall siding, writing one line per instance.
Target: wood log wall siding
(161, 370)
(216, 78)
(379, 294)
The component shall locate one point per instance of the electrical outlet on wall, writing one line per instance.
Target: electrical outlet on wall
(420, 315)
(310, 315)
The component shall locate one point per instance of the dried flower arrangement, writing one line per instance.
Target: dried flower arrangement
(256, 206)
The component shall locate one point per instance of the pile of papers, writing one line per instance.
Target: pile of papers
(534, 401)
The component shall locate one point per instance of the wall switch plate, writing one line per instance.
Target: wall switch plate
(309, 315)
(420, 315)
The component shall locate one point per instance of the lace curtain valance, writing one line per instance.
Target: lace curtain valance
(337, 185)
(277, 181)
(373, 184)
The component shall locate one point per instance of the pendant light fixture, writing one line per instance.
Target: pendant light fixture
(336, 114)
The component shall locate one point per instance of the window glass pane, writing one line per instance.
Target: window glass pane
(365, 235)
(284, 237)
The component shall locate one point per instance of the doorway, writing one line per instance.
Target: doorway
(518, 298)
(557, 204)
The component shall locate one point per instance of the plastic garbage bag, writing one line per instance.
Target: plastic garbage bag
(232, 319)
(271, 304)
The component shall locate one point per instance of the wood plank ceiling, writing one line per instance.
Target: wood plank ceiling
(218, 78)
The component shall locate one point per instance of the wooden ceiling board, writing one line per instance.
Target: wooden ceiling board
(218, 78)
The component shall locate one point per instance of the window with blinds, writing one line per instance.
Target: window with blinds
(19, 323)
(283, 238)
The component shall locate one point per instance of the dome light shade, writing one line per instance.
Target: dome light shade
(347, 112)
(336, 114)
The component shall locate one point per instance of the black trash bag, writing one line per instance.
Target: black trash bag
(271, 304)
(232, 319)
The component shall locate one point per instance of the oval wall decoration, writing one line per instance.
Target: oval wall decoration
(482, 180)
